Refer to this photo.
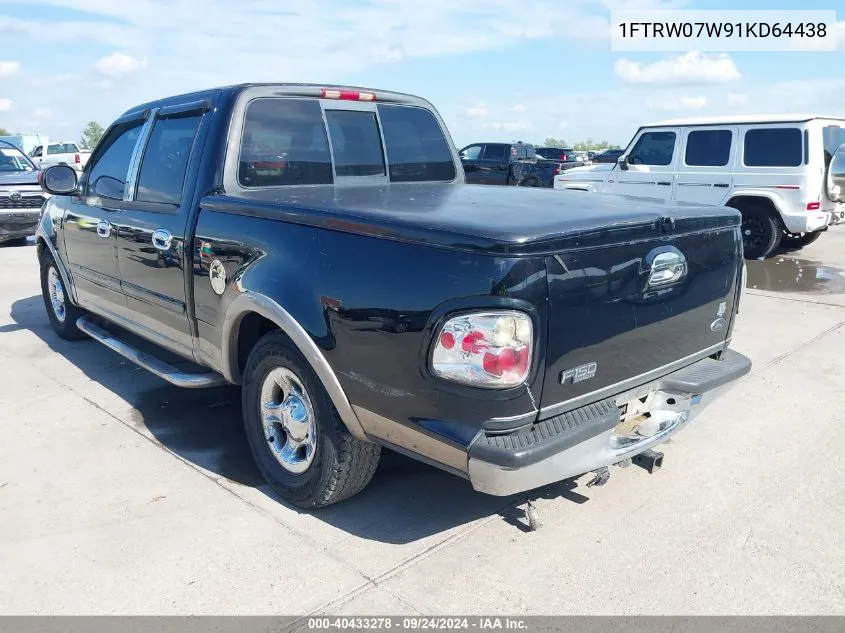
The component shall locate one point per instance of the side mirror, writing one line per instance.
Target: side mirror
(622, 161)
(836, 176)
(59, 180)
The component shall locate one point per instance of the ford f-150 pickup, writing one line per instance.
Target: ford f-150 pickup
(319, 246)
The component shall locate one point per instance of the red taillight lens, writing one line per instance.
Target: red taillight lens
(556, 171)
(348, 95)
(495, 349)
(563, 157)
(77, 159)
(814, 206)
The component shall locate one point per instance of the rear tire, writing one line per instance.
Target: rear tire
(61, 312)
(297, 438)
(797, 241)
(761, 232)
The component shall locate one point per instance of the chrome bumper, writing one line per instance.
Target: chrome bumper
(518, 465)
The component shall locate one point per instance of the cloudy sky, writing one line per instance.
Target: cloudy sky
(496, 69)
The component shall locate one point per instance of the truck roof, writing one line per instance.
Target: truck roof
(285, 89)
(737, 119)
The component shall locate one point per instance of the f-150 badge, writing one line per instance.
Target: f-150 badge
(578, 374)
(217, 275)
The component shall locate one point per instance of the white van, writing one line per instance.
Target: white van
(773, 168)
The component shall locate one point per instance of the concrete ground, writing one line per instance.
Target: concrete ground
(120, 494)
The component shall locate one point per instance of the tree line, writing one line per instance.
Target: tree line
(583, 146)
(91, 135)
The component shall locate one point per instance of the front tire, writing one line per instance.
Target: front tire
(797, 241)
(761, 233)
(61, 312)
(297, 438)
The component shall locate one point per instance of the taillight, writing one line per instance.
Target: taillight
(556, 171)
(348, 95)
(814, 206)
(77, 159)
(484, 349)
(563, 157)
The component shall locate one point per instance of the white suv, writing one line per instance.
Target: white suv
(771, 168)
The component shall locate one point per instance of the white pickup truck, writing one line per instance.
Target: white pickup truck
(60, 153)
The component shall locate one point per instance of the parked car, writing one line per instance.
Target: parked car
(21, 196)
(364, 295)
(772, 168)
(566, 157)
(507, 164)
(607, 156)
(60, 154)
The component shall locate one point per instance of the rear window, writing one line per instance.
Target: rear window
(62, 148)
(708, 148)
(284, 143)
(356, 143)
(773, 147)
(416, 147)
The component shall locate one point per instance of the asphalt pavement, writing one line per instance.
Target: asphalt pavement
(120, 494)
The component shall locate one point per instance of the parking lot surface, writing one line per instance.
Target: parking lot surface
(120, 494)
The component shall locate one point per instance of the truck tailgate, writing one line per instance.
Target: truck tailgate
(623, 313)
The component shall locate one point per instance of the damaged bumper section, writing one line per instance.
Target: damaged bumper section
(602, 433)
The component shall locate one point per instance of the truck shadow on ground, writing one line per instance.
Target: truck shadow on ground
(406, 500)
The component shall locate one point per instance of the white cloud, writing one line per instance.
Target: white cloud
(43, 113)
(120, 64)
(689, 68)
(5, 105)
(63, 78)
(518, 108)
(510, 126)
(737, 99)
(104, 84)
(477, 111)
(683, 103)
(7, 69)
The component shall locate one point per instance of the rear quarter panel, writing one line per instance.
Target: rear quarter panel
(372, 306)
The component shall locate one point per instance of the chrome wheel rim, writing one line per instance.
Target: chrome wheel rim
(57, 294)
(288, 420)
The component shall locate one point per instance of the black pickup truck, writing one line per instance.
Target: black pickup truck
(319, 246)
(507, 164)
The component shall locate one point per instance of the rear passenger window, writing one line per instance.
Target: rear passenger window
(284, 143)
(166, 159)
(356, 143)
(708, 148)
(415, 145)
(653, 148)
(773, 147)
(495, 152)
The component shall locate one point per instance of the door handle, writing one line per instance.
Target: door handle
(104, 228)
(162, 239)
(664, 183)
(721, 184)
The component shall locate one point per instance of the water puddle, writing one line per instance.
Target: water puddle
(789, 274)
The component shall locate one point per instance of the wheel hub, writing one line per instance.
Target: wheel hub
(288, 419)
(57, 294)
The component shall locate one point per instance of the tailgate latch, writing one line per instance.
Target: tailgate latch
(668, 265)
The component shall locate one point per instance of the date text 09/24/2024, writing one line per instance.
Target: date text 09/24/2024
(417, 623)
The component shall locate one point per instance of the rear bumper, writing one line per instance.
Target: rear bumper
(18, 223)
(586, 439)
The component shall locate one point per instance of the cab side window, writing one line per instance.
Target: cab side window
(473, 152)
(107, 177)
(653, 148)
(166, 159)
(708, 148)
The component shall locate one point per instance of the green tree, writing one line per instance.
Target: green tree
(554, 142)
(91, 135)
(4, 132)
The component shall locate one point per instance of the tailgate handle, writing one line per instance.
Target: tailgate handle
(668, 265)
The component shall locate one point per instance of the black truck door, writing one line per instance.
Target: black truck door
(469, 158)
(495, 163)
(91, 221)
(153, 247)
